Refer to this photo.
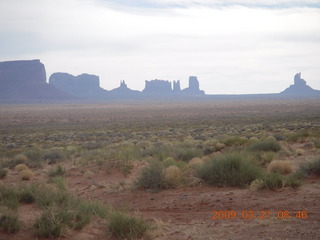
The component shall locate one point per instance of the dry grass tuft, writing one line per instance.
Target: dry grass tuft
(20, 167)
(172, 176)
(219, 146)
(195, 161)
(26, 174)
(279, 166)
(300, 151)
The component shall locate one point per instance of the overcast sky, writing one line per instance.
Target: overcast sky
(232, 46)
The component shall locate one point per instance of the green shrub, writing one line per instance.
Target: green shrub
(57, 171)
(292, 181)
(264, 158)
(266, 145)
(27, 195)
(3, 173)
(50, 225)
(59, 181)
(236, 141)
(9, 197)
(10, 223)
(228, 170)
(53, 156)
(187, 152)
(310, 168)
(152, 176)
(273, 181)
(124, 226)
(35, 158)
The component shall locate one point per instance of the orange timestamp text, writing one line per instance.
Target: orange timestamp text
(282, 214)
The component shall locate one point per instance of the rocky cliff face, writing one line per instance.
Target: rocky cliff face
(26, 80)
(300, 88)
(83, 86)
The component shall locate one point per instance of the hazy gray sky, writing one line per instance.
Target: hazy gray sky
(232, 46)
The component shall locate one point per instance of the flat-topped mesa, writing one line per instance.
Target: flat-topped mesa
(158, 87)
(84, 85)
(22, 71)
(26, 80)
(300, 88)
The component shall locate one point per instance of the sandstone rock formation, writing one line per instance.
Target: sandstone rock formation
(300, 88)
(123, 92)
(83, 86)
(176, 86)
(26, 81)
(158, 87)
(193, 89)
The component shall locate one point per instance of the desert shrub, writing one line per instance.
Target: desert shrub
(128, 227)
(9, 197)
(57, 171)
(35, 159)
(59, 181)
(187, 152)
(300, 152)
(152, 176)
(172, 176)
(21, 167)
(53, 156)
(170, 161)
(228, 170)
(10, 223)
(235, 141)
(179, 151)
(207, 149)
(50, 225)
(279, 136)
(310, 168)
(219, 146)
(264, 158)
(21, 158)
(265, 145)
(26, 174)
(3, 173)
(195, 161)
(298, 136)
(18, 159)
(273, 181)
(27, 195)
(157, 151)
(282, 167)
(292, 181)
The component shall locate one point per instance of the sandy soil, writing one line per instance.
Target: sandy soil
(187, 212)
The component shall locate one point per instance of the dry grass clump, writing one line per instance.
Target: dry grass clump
(26, 174)
(300, 152)
(279, 166)
(21, 158)
(220, 146)
(172, 176)
(195, 161)
(20, 167)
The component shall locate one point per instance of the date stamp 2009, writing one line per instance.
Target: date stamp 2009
(282, 214)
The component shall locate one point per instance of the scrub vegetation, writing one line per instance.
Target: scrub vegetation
(44, 151)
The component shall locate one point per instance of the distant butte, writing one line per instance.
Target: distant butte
(300, 88)
(25, 81)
